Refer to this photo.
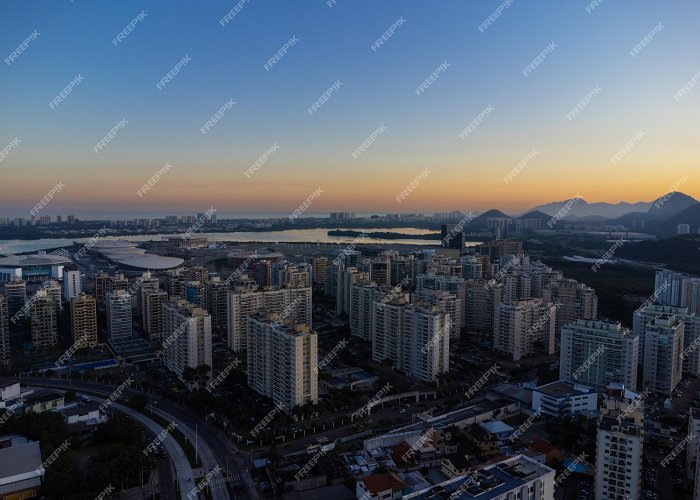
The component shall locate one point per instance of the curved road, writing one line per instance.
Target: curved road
(214, 447)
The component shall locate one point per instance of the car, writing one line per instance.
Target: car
(402, 410)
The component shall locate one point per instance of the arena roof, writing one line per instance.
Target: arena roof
(127, 254)
(40, 259)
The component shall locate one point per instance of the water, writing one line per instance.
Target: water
(290, 236)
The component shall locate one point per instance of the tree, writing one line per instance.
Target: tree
(139, 402)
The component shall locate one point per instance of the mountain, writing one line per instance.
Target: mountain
(670, 204)
(669, 227)
(665, 207)
(582, 208)
(483, 218)
(536, 214)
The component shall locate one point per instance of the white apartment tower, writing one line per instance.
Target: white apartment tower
(187, 349)
(598, 353)
(282, 361)
(290, 304)
(524, 327)
(72, 285)
(663, 347)
(119, 315)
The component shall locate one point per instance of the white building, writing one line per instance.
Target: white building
(282, 361)
(597, 353)
(564, 399)
(362, 310)
(293, 304)
(344, 285)
(524, 327)
(663, 347)
(187, 344)
(620, 442)
(691, 332)
(518, 477)
(119, 315)
(4, 333)
(414, 337)
(692, 462)
(72, 285)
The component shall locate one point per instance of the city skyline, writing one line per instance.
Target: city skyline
(630, 140)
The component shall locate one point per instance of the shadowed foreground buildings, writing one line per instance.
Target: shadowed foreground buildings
(4, 333)
(43, 321)
(83, 312)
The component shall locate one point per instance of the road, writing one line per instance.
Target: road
(214, 447)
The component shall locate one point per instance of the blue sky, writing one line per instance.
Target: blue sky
(592, 49)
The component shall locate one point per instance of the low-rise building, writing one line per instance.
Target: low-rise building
(562, 399)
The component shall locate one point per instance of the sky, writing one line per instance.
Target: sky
(623, 63)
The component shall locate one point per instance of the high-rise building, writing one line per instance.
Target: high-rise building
(415, 338)
(101, 286)
(346, 279)
(524, 327)
(574, 301)
(4, 333)
(282, 361)
(362, 308)
(187, 348)
(693, 456)
(197, 273)
(620, 442)
(53, 289)
(332, 276)
(448, 302)
(293, 304)
(597, 354)
(479, 303)
(117, 282)
(83, 316)
(119, 315)
(472, 267)
(691, 332)
(380, 272)
(451, 236)
(43, 320)
(196, 293)
(16, 295)
(72, 285)
(663, 348)
(217, 293)
(320, 268)
(673, 288)
(175, 282)
(152, 312)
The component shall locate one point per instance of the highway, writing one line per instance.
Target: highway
(214, 447)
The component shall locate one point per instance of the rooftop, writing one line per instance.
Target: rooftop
(562, 389)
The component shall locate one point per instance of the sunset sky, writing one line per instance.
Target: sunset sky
(592, 50)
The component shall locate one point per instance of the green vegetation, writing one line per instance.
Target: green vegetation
(388, 235)
(681, 253)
